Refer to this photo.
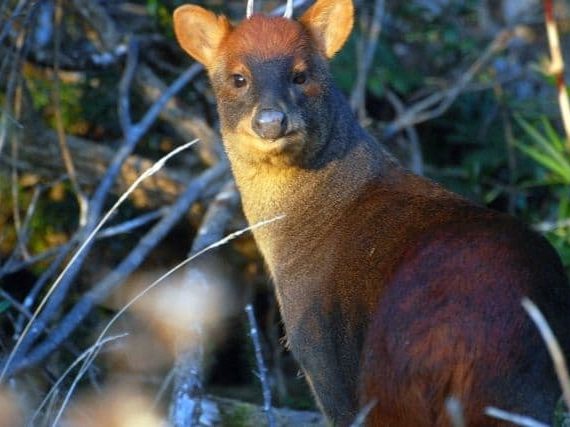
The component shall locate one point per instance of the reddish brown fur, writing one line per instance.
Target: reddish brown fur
(393, 290)
(282, 37)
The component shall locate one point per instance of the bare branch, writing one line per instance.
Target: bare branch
(73, 319)
(23, 235)
(124, 104)
(5, 30)
(13, 302)
(61, 255)
(220, 211)
(262, 370)
(187, 123)
(163, 277)
(557, 66)
(436, 104)
(416, 157)
(155, 109)
(56, 93)
(368, 49)
(131, 224)
(94, 13)
(186, 403)
(53, 300)
(39, 154)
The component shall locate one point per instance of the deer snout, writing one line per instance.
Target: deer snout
(270, 124)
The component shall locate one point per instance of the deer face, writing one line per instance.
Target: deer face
(270, 76)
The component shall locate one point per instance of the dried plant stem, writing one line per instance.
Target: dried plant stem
(14, 94)
(88, 361)
(553, 347)
(187, 392)
(23, 235)
(519, 420)
(416, 157)
(149, 172)
(367, 50)
(14, 303)
(438, 103)
(557, 66)
(62, 139)
(262, 369)
(70, 368)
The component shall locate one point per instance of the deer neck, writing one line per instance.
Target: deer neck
(310, 199)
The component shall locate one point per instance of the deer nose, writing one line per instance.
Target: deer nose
(270, 124)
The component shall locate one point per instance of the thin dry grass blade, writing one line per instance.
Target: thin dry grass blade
(289, 10)
(553, 347)
(249, 9)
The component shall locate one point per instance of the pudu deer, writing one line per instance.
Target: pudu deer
(394, 292)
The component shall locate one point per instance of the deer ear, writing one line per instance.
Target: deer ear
(200, 32)
(330, 23)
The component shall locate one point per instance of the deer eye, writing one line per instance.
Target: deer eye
(300, 78)
(239, 80)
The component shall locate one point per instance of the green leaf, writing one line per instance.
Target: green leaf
(542, 141)
(547, 161)
(549, 150)
(552, 135)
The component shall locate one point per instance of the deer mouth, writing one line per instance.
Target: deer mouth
(290, 142)
(250, 144)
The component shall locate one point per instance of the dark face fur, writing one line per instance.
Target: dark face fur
(272, 88)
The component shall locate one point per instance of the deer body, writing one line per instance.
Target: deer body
(394, 292)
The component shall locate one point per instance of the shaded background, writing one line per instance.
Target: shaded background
(94, 92)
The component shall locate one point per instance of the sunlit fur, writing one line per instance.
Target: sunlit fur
(393, 290)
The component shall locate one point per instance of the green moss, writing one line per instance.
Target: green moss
(240, 416)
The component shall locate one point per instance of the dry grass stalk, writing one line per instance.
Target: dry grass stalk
(553, 347)
(97, 345)
(149, 172)
(557, 66)
(516, 419)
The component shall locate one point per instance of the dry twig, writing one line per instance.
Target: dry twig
(416, 157)
(438, 103)
(557, 66)
(22, 346)
(88, 361)
(187, 394)
(56, 93)
(262, 370)
(367, 50)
